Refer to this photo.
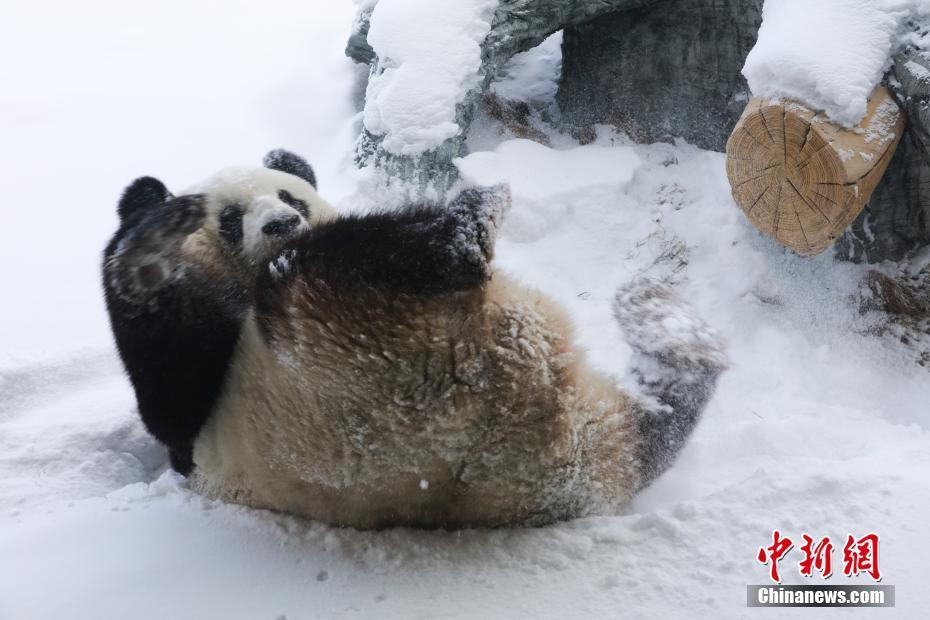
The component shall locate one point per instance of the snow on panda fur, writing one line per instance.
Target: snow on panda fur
(375, 370)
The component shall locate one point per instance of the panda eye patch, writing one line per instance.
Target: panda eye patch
(231, 224)
(299, 205)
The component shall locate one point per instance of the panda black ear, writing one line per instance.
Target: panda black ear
(142, 193)
(285, 161)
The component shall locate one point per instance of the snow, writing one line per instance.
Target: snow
(828, 54)
(818, 426)
(107, 91)
(533, 75)
(429, 55)
(535, 171)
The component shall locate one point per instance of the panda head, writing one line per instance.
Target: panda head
(250, 212)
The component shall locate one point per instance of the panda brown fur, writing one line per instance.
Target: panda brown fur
(375, 370)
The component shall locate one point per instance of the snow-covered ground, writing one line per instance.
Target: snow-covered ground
(817, 428)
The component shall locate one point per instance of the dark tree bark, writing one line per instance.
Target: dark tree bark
(663, 71)
(896, 222)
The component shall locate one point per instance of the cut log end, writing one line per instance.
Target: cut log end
(802, 179)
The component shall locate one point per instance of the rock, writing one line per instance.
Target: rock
(357, 47)
(904, 300)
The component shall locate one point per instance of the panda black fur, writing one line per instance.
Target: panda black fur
(374, 370)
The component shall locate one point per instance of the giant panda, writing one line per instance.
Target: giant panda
(376, 370)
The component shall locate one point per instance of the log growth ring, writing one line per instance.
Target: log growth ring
(803, 180)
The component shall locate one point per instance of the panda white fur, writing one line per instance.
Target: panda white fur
(374, 370)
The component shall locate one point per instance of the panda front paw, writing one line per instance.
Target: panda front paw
(181, 216)
(162, 228)
(478, 213)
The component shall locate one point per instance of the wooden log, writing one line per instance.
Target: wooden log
(802, 179)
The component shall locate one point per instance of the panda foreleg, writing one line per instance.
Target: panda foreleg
(146, 257)
(418, 250)
(175, 326)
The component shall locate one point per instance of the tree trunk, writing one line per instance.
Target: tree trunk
(669, 70)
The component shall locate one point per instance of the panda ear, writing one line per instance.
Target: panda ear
(142, 193)
(285, 161)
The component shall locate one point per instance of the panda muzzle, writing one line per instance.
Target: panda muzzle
(281, 225)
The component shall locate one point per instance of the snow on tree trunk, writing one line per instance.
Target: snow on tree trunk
(662, 71)
(802, 179)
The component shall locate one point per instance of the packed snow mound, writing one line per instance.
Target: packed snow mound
(533, 170)
(829, 54)
(535, 173)
(429, 55)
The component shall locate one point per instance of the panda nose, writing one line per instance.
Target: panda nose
(281, 225)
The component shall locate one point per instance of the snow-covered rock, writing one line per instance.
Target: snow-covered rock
(431, 61)
(428, 58)
(896, 223)
(828, 54)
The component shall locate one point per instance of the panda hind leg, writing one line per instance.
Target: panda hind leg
(677, 359)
